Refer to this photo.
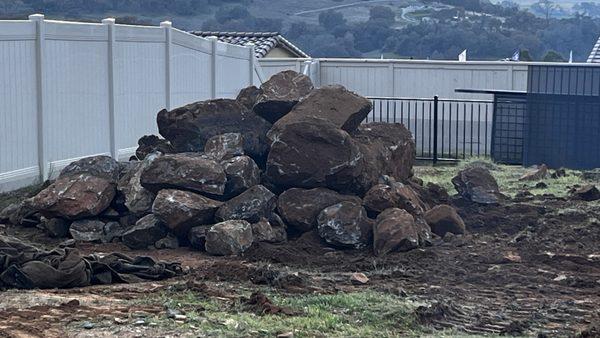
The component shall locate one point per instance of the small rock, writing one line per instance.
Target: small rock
(359, 278)
(476, 184)
(229, 238)
(149, 144)
(558, 173)
(345, 225)
(541, 185)
(197, 237)
(112, 230)
(120, 321)
(540, 173)
(286, 335)
(182, 210)
(88, 325)
(443, 219)
(242, 174)
(397, 230)
(145, 233)
(587, 193)
(264, 231)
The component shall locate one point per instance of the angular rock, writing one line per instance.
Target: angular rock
(137, 199)
(477, 185)
(75, 196)
(98, 166)
(149, 144)
(187, 171)
(87, 230)
(145, 232)
(224, 146)
(345, 225)
(299, 208)
(247, 97)
(314, 153)
(189, 127)
(182, 210)
(387, 149)
(281, 93)
(57, 227)
(242, 173)
(586, 193)
(398, 195)
(197, 237)
(359, 278)
(443, 219)
(229, 238)
(112, 230)
(540, 173)
(264, 231)
(252, 205)
(394, 230)
(345, 109)
(169, 242)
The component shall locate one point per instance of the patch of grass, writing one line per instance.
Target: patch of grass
(361, 314)
(506, 175)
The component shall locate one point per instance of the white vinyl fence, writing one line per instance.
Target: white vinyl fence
(70, 90)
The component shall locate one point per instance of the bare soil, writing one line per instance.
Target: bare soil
(525, 268)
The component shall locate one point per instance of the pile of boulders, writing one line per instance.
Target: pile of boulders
(274, 163)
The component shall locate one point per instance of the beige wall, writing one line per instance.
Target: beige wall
(279, 52)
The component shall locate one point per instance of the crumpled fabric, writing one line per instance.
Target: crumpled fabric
(25, 266)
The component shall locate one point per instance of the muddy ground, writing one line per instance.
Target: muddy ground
(527, 267)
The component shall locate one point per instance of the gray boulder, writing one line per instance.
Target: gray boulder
(87, 230)
(281, 93)
(182, 210)
(145, 233)
(345, 225)
(187, 171)
(252, 205)
(229, 238)
(299, 208)
(267, 231)
(476, 184)
(242, 173)
(138, 199)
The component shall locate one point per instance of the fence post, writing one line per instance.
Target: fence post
(167, 26)
(110, 27)
(252, 62)
(435, 129)
(213, 67)
(38, 19)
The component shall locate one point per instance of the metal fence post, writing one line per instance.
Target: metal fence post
(167, 26)
(252, 62)
(38, 19)
(110, 26)
(213, 67)
(435, 129)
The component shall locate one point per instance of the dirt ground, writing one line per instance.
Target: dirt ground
(527, 267)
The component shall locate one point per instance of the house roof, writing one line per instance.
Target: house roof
(595, 55)
(263, 42)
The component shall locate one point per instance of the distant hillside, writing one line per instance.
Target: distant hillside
(438, 29)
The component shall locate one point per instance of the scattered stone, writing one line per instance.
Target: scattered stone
(182, 210)
(281, 93)
(345, 225)
(586, 193)
(186, 171)
(252, 205)
(87, 230)
(189, 127)
(137, 198)
(313, 153)
(149, 144)
(229, 238)
(264, 231)
(147, 231)
(75, 196)
(395, 230)
(299, 208)
(224, 146)
(443, 219)
(359, 278)
(88, 325)
(286, 335)
(197, 237)
(242, 173)
(57, 227)
(169, 242)
(248, 96)
(540, 173)
(477, 185)
(345, 109)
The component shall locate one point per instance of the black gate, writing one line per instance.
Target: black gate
(443, 129)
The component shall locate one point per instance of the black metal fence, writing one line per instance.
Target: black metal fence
(443, 129)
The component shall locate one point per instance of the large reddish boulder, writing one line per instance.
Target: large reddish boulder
(477, 184)
(395, 230)
(182, 210)
(443, 219)
(345, 109)
(314, 153)
(281, 93)
(186, 171)
(188, 128)
(299, 208)
(394, 195)
(345, 225)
